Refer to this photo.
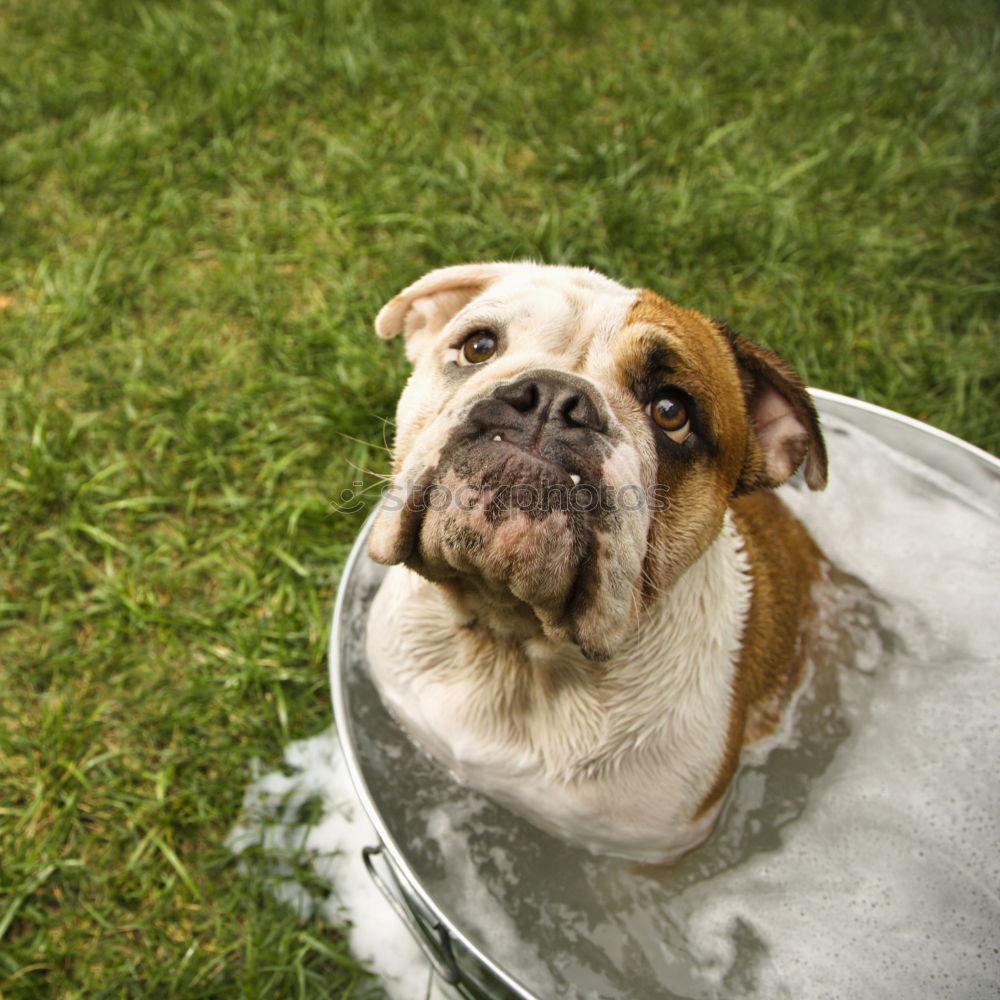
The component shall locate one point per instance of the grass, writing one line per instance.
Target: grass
(203, 206)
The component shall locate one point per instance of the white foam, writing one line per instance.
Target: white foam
(316, 773)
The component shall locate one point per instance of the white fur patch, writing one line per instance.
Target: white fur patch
(615, 757)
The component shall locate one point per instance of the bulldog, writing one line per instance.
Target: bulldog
(595, 600)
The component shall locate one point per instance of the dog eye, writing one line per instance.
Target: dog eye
(479, 346)
(670, 414)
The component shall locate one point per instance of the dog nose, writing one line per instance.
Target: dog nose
(553, 397)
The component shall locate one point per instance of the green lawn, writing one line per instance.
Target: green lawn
(203, 205)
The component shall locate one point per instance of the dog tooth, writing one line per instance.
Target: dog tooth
(575, 478)
(498, 438)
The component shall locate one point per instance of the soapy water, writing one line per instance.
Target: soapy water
(858, 856)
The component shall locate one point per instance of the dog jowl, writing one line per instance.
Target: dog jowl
(595, 597)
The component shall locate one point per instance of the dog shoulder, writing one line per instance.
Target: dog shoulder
(785, 563)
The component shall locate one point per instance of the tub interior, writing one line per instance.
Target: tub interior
(858, 856)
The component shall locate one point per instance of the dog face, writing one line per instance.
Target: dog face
(566, 447)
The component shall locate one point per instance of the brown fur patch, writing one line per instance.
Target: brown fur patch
(665, 346)
(704, 366)
(723, 373)
(785, 564)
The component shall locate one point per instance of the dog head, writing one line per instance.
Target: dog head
(566, 447)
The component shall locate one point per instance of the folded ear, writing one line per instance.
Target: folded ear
(785, 423)
(430, 302)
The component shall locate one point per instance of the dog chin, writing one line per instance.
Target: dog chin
(520, 534)
(535, 557)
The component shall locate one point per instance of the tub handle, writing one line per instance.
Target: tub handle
(442, 958)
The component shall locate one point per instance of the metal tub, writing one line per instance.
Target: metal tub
(503, 910)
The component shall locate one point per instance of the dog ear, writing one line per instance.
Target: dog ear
(430, 302)
(786, 429)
